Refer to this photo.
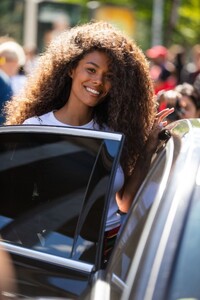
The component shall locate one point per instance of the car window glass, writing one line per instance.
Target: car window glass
(184, 279)
(53, 192)
(129, 238)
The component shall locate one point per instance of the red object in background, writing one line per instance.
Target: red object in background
(162, 106)
(166, 85)
(159, 85)
(157, 51)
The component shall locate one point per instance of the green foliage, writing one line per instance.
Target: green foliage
(185, 31)
(11, 18)
(188, 26)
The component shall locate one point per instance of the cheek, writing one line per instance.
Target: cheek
(191, 112)
(13, 68)
(108, 86)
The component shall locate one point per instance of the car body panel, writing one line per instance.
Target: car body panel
(157, 253)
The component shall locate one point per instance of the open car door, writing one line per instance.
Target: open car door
(55, 183)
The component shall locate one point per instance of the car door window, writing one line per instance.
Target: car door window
(53, 191)
(128, 241)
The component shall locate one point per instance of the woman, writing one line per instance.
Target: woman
(92, 76)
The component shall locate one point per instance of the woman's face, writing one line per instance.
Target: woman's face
(190, 110)
(91, 79)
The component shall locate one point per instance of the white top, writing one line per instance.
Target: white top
(5, 77)
(17, 83)
(113, 219)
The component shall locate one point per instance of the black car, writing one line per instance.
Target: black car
(157, 256)
(55, 185)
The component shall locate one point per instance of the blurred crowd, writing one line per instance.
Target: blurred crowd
(16, 63)
(175, 73)
(176, 79)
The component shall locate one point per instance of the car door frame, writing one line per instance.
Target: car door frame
(59, 264)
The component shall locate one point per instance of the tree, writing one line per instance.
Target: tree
(181, 21)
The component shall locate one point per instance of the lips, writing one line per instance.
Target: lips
(95, 92)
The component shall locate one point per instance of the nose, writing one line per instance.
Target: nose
(98, 80)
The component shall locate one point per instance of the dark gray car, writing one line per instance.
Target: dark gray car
(157, 254)
(55, 184)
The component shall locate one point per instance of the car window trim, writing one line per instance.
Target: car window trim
(62, 130)
(48, 258)
(69, 131)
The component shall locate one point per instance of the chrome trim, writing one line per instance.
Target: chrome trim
(100, 290)
(48, 258)
(118, 282)
(62, 130)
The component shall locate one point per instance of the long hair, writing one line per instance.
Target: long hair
(129, 107)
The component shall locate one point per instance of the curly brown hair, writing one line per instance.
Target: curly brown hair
(129, 107)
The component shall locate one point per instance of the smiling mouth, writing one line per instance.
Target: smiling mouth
(92, 91)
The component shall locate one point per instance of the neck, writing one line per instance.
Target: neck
(75, 116)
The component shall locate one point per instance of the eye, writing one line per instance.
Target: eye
(91, 70)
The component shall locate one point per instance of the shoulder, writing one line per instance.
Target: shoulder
(39, 120)
(32, 121)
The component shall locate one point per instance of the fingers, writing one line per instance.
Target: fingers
(162, 124)
(158, 133)
(159, 125)
(164, 113)
(161, 116)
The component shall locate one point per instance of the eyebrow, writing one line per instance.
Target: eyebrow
(92, 63)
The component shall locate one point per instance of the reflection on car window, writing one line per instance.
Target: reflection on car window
(52, 187)
(128, 242)
(184, 279)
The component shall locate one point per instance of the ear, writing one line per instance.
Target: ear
(71, 73)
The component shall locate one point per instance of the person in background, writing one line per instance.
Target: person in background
(18, 81)
(60, 24)
(196, 84)
(93, 76)
(190, 100)
(11, 58)
(169, 99)
(185, 98)
(192, 69)
(31, 59)
(177, 56)
(162, 70)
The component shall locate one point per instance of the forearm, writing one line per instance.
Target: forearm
(133, 182)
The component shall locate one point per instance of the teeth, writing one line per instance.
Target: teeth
(92, 91)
